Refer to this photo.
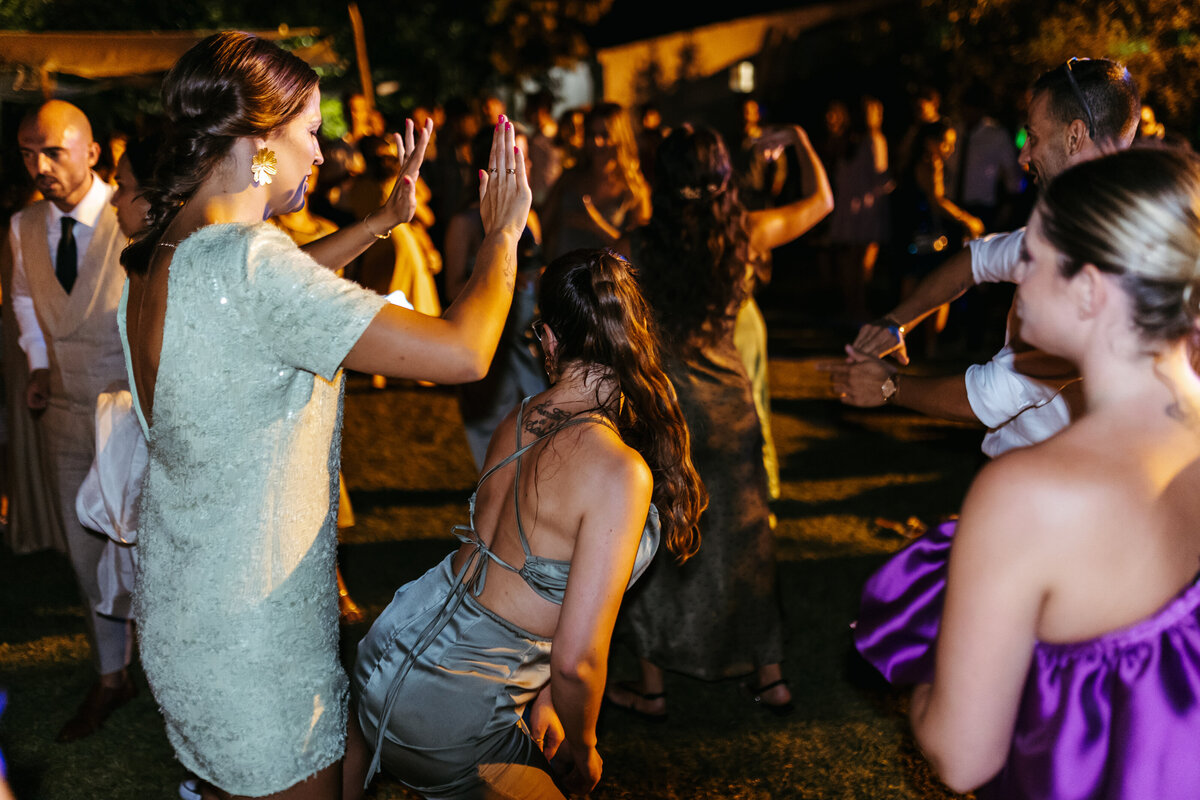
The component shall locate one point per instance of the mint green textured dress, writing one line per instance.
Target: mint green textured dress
(236, 599)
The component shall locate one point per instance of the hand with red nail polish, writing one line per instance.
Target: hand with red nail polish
(402, 202)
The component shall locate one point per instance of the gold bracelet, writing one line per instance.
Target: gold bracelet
(373, 233)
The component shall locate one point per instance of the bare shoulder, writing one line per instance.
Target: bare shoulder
(503, 441)
(1031, 497)
(609, 466)
(594, 457)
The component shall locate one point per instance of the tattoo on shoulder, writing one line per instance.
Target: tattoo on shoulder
(544, 418)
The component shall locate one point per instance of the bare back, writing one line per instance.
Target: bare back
(145, 314)
(1132, 489)
(565, 479)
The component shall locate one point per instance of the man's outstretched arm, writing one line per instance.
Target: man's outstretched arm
(885, 336)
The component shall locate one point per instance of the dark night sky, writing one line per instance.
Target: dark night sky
(631, 20)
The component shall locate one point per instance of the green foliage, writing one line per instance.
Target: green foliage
(531, 36)
(1158, 40)
(334, 124)
(125, 15)
(22, 15)
(435, 50)
(431, 50)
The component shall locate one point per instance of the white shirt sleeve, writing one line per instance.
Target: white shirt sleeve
(1018, 410)
(995, 258)
(31, 339)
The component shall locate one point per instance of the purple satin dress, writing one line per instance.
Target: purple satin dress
(1113, 718)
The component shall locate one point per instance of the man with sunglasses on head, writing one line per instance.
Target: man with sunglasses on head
(1082, 109)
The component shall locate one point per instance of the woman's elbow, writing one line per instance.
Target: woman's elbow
(962, 768)
(825, 201)
(582, 671)
(473, 365)
(962, 779)
(463, 362)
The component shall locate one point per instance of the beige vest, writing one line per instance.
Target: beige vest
(80, 329)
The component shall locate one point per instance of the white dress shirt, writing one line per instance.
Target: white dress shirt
(1017, 409)
(85, 213)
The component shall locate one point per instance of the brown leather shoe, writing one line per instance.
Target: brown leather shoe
(101, 701)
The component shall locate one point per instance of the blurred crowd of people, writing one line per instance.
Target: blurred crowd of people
(646, 236)
(949, 173)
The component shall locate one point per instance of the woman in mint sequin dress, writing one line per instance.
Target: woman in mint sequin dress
(235, 340)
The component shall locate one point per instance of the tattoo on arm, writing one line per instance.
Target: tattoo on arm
(510, 272)
(544, 418)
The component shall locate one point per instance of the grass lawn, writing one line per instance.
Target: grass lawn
(409, 473)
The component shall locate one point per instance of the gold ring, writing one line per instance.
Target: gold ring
(493, 169)
(510, 171)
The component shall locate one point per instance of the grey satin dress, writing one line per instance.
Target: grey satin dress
(449, 677)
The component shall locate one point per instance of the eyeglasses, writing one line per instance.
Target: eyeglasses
(1070, 68)
(538, 327)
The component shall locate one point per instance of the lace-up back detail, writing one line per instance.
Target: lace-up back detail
(545, 576)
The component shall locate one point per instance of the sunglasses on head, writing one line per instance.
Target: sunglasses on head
(1070, 69)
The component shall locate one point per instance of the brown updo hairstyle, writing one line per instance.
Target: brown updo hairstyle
(1135, 214)
(228, 86)
(591, 301)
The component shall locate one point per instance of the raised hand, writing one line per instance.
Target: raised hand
(504, 194)
(402, 202)
(772, 143)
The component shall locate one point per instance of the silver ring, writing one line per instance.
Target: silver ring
(493, 169)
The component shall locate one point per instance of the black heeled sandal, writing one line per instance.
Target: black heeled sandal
(644, 716)
(777, 709)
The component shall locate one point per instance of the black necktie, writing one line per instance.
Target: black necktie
(66, 266)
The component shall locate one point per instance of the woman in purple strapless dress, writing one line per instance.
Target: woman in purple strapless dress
(1054, 634)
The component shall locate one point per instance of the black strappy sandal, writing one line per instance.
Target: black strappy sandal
(777, 709)
(644, 716)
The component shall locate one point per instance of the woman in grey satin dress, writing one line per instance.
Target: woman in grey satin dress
(565, 516)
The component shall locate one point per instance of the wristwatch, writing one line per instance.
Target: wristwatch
(890, 387)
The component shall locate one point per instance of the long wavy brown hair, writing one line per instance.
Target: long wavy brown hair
(591, 300)
(695, 251)
(620, 128)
